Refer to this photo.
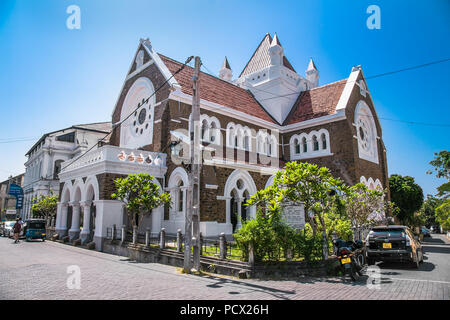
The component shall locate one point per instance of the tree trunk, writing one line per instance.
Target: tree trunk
(325, 238)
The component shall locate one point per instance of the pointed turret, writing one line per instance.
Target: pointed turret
(276, 52)
(225, 72)
(312, 74)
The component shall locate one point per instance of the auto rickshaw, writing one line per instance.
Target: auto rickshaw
(34, 229)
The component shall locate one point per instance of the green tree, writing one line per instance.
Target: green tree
(140, 195)
(441, 164)
(307, 184)
(407, 197)
(428, 209)
(44, 207)
(364, 206)
(443, 215)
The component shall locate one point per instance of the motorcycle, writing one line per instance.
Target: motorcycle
(350, 257)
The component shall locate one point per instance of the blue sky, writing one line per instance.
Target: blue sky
(52, 77)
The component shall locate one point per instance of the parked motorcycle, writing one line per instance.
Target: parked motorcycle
(350, 257)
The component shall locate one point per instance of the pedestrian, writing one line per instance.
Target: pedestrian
(17, 227)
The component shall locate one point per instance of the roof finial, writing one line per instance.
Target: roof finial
(275, 41)
(225, 72)
(311, 65)
(226, 65)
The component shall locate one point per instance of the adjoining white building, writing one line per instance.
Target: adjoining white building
(47, 154)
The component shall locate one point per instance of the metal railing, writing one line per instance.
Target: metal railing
(215, 247)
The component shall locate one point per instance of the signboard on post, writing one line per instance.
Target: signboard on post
(15, 190)
(294, 215)
(19, 201)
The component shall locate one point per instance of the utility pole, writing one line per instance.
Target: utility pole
(192, 219)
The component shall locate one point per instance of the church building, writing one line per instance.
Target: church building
(250, 127)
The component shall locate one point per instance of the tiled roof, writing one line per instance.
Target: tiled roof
(261, 59)
(218, 91)
(317, 102)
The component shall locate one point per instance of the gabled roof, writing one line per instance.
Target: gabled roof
(317, 102)
(261, 59)
(219, 91)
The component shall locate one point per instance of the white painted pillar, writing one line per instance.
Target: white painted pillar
(228, 225)
(157, 216)
(239, 207)
(85, 234)
(61, 219)
(108, 213)
(74, 231)
(228, 210)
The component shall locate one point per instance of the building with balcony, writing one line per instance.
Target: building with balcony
(49, 152)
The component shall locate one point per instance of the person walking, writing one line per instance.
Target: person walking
(17, 227)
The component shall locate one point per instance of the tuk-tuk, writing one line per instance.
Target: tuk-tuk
(34, 229)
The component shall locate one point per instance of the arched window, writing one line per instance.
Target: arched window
(324, 141)
(180, 196)
(366, 132)
(204, 130)
(213, 132)
(231, 136)
(297, 146)
(57, 169)
(305, 145)
(246, 142)
(315, 143)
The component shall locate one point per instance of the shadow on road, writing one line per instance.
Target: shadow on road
(220, 282)
(433, 241)
(425, 266)
(437, 249)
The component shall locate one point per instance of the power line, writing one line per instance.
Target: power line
(11, 140)
(116, 125)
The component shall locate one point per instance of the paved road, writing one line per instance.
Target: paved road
(39, 270)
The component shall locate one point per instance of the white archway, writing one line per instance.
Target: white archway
(238, 188)
(91, 189)
(269, 181)
(177, 185)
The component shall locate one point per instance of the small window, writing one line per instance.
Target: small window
(324, 141)
(57, 169)
(204, 128)
(297, 146)
(315, 143)
(246, 143)
(305, 145)
(212, 132)
(69, 137)
(180, 196)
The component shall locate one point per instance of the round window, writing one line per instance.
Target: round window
(240, 184)
(364, 135)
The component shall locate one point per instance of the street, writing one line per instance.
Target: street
(39, 270)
